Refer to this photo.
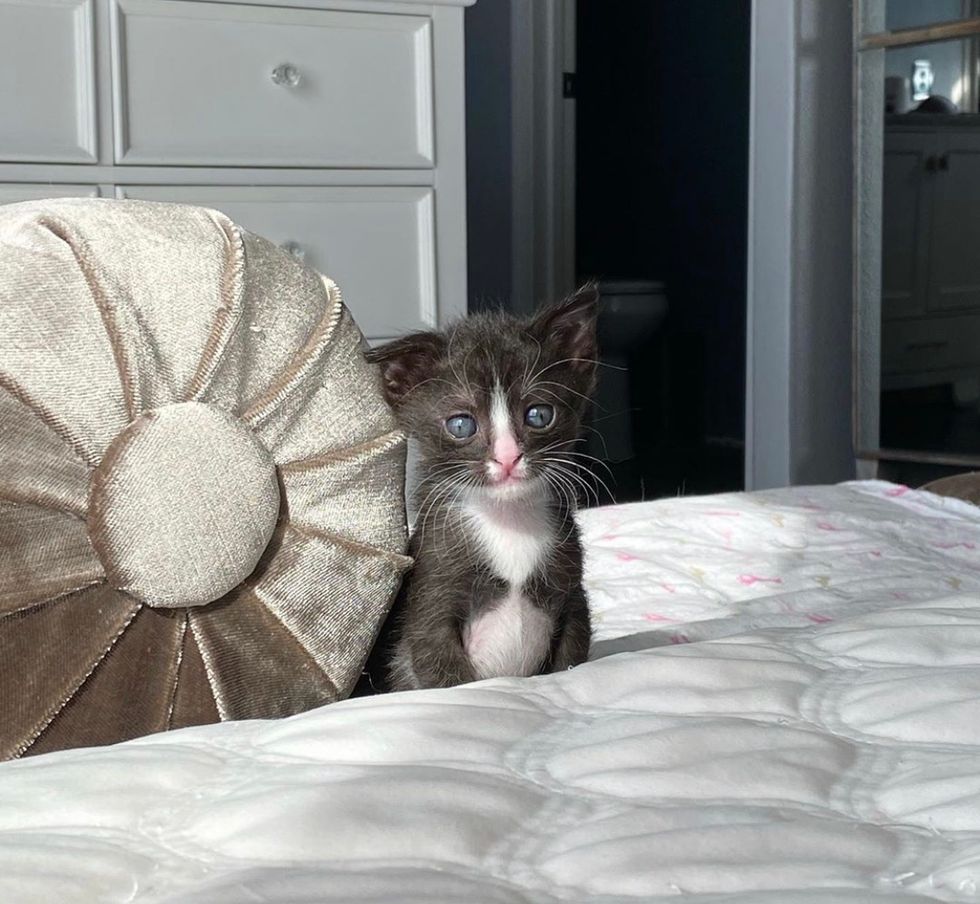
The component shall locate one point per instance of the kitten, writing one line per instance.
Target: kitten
(495, 404)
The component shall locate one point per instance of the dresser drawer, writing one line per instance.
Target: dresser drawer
(12, 192)
(930, 344)
(222, 84)
(47, 81)
(376, 242)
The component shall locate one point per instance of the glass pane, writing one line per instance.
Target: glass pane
(915, 13)
(930, 266)
(941, 75)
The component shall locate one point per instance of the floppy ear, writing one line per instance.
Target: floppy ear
(569, 327)
(406, 362)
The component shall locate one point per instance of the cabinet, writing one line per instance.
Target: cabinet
(930, 254)
(334, 127)
(47, 70)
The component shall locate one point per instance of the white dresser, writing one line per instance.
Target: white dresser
(334, 127)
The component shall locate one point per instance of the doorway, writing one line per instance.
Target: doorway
(609, 141)
(662, 113)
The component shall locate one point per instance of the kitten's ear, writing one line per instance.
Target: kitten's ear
(569, 327)
(406, 362)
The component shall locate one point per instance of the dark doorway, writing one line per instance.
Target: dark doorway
(661, 194)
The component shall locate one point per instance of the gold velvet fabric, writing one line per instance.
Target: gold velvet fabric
(201, 511)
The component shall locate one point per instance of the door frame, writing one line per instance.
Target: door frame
(542, 152)
(769, 277)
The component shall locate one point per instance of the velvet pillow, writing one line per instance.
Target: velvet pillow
(201, 510)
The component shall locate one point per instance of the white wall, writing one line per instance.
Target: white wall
(798, 405)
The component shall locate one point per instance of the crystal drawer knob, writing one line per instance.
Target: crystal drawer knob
(295, 249)
(286, 74)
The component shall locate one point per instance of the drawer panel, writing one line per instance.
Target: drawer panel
(222, 84)
(47, 81)
(12, 192)
(930, 344)
(376, 242)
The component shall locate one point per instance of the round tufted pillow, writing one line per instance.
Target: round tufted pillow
(201, 509)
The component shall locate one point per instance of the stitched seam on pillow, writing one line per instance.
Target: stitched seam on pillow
(254, 592)
(42, 501)
(179, 659)
(73, 445)
(325, 536)
(102, 476)
(381, 443)
(229, 314)
(94, 579)
(205, 651)
(46, 722)
(78, 248)
(298, 368)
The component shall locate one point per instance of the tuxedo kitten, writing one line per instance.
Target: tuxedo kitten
(495, 404)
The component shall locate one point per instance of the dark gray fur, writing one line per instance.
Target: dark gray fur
(431, 376)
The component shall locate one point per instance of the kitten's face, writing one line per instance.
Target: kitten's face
(496, 404)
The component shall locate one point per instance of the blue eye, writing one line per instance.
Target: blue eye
(539, 416)
(461, 426)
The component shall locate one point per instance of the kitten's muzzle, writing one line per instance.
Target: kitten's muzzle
(510, 470)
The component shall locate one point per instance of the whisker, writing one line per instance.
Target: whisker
(581, 395)
(438, 474)
(599, 480)
(602, 439)
(559, 477)
(567, 496)
(557, 445)
(579, 481)
(444, 466)
(452, 363)
(427, 506)
(550, 392)
(531, 366)
(594, 361)
(428, 380)
(586, 455)
(559, 465)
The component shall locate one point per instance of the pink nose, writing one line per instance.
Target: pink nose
(506, 453)
(509, 462)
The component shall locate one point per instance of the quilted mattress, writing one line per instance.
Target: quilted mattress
(783, 706)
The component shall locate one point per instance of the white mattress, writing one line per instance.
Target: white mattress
(784, 707)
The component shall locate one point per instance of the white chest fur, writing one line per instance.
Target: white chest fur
(514, 537)
(511, 638)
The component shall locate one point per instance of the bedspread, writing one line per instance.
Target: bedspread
(783, 705)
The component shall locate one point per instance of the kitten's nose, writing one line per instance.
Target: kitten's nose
(506, 453)
(509, 462)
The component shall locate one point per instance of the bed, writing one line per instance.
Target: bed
(782, 705)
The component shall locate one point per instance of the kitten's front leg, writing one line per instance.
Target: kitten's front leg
(441, 661)
(572, 645)
(432, 656)
(434, 600)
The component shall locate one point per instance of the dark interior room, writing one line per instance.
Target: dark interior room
(662, 93)
(660, 217)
